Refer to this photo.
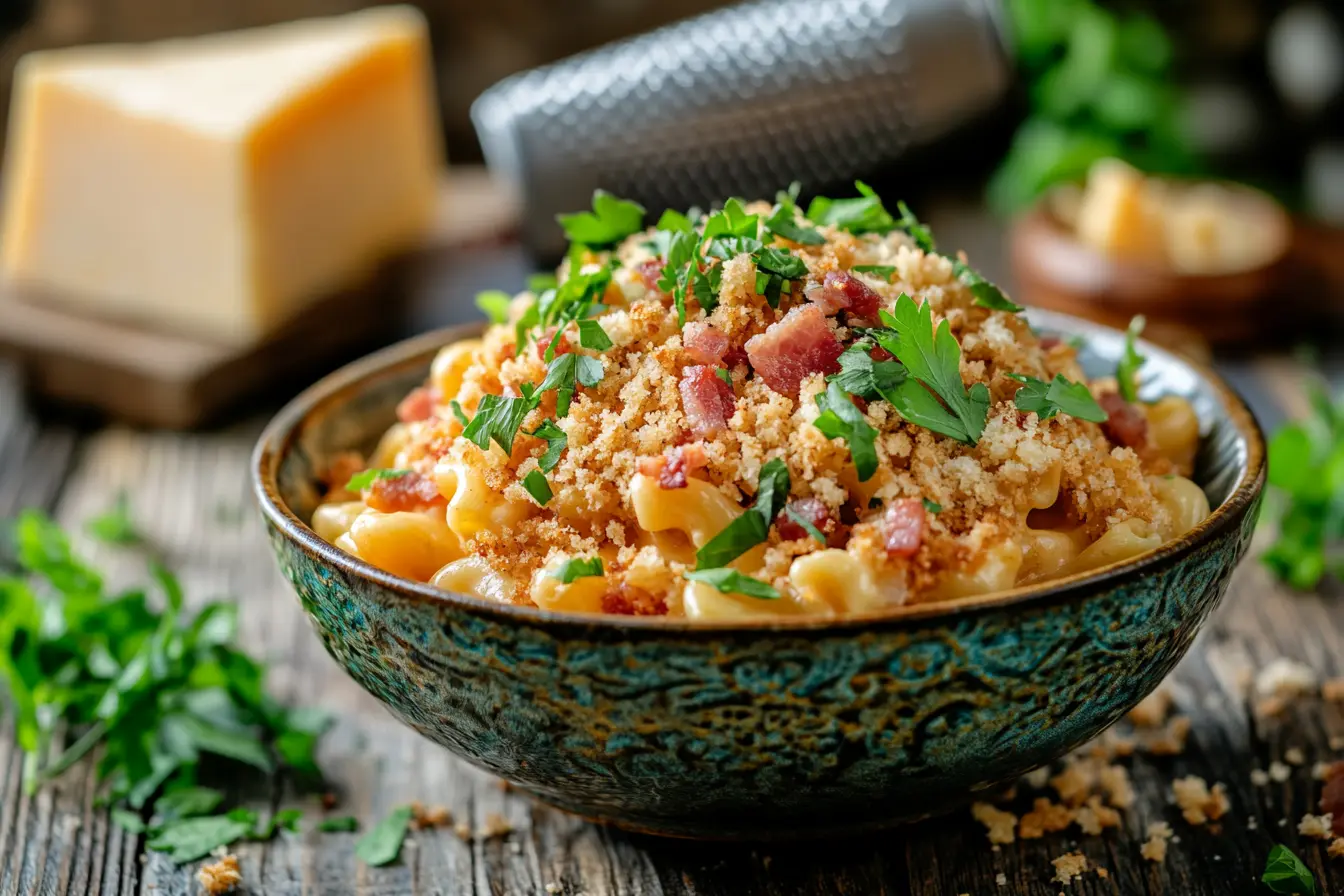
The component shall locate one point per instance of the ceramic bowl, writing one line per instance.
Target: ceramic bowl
(761, 729)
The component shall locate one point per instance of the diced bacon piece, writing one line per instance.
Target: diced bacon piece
(1125, 424)
(418, 405)
(627, 600)
(842, 291)
(674, 467)
(341, 468)
(903, 527)
(705, 343)
(811, 509)
(409, 492)
(793, 348)
(707, 400)
(1049, 342)
(649, 273)
(562, 346)
(1332, 796)
(880, 354)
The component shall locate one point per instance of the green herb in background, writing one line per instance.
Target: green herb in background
(1285, 873)
(154, 694)
(1099, 84)
(1306, 475)
(382, 844)
(115, 526)
(343, 823)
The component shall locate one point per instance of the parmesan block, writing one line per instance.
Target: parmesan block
(214, 186)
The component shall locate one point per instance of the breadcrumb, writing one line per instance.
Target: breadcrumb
(1199, 804)
(462, 830)
(1259, 777)
(1045, 817)
(1037, 777)
(1278, 772)
(1095, 817)
(1154, 849)
(1069, 867)
(1336, 848)
(1321, 771)
(1294, 756)
(1002, 879)
(496, 825)
(1280, 682)
(1152, 710)
(999, 825)
(1333, 689)
(1170, 740)
(1114, 781)
(432, 817)
(220, 876)
(1318, 827)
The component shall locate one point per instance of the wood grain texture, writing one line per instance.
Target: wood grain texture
(190, 495)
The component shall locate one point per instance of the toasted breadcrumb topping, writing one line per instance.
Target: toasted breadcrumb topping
(1154, 849)
(1069, 867)
(220, 876)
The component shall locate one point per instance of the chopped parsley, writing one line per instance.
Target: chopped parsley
(884, 271)
(774, 269)
(917, 231)
(494, 303)
(753, 526)
(932, 506)
(840, 419)
(578, 568)
(674, 221)
(1059, 396)
(116, 526)
(862, 214)
(723, 374)
(556, 441)
(862, 376)
(783, 220)
(1127, 370)
(541, 281)
(341, 823)
(360, 481)
(731, 220)
(803, 521)
(610, 221)
(730, 581)
(565, 374)
(591, 335)
(499, 418)
(460, 414)
(986, 294)
(1285, 873)
(382, 844)
(537, 486)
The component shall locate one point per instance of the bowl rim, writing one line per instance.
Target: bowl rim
(285, 428)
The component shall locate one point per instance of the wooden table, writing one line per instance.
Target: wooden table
(190, 494)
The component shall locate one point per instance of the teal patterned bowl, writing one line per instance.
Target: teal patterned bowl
(763, 729)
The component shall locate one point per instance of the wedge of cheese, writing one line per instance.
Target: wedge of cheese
(216, 185)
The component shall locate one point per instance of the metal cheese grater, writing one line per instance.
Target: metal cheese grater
(741, 101)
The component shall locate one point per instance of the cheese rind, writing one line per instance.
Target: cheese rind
(216, 185)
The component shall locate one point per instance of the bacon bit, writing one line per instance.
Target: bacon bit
(841, 290)
(1125, 425)
(329, 800)
(812, 510)
(674, 467)
(1332, 796)
(627, 600)
(880, 354)
(735, 356)
(707, 400)
(705, 343)
(341, 467)
(418, 405)
(650, 272)
(1049, 342)
(562, 346)
(903, 526)
(795, 347)
(409, 492)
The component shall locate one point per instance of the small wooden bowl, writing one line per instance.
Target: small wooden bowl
(1055, 270)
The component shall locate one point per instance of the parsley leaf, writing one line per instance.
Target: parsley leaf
(863, 214)
(187, 802)
(382, 844)
(116, 526)
(556, 440)
(783, 222)
(933, 358)
(932, 506)
(1285, 873)
(360, 481)
(840, 419)
(578, 568)
(1056, 397)
(730, 581)
(781, 262)
(541, 281)
(499, 418)
(675, 221)
(537, 486)
(753, 526)
(565, 374)
(885, 271)
(460, 414)
(805, 523)
(591, 335)
(610, 221)
(341, 823)
(731, 220)
(723, 374)
(494, 303)
(917, 231)
(127, 820)
(194, 838)
(985, 294)
(530, 318)
(1127, 370)
(862, 376)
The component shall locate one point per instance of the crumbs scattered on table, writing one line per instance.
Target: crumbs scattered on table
(1281, 682)
(220, 876)
(504, 785)
(553, 888)
(1002, 879)
(1294, 756)
(1320, 771)
(1252, 824)
(1333, 689)
(1069, 867)
(1259, 777)
(462, 830)
(1045, 817)
(1152, 710)
(1278, 772)
(1154, 849)
(1336, 848)
(1317, 827)
(431, 817)
(1001, 826)
(1199, 803)
(496, 825)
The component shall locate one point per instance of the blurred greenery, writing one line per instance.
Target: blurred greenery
(1099, 84)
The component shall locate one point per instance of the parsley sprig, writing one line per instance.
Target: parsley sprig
(1059, 396)
(610, 221)
(840, 419)
(1127, 369)
(753, 526)
(1285, 873)
(730, 581)
(578, 568)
